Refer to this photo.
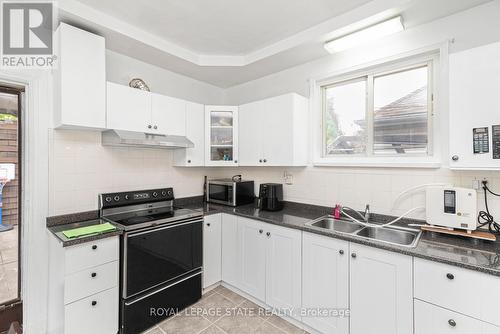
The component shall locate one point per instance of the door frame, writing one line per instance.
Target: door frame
(34, 197)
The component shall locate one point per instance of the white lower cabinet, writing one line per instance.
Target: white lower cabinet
(381, 294)
(212, 249)
(431, 319)
(253, 257)
(325, 282)
(230, 261)
(97, 314)
(283, 269)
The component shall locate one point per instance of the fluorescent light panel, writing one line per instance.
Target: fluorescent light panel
(370, 33)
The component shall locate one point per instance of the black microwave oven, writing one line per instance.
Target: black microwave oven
(229, 192)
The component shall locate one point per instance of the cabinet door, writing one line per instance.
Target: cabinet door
(474, 82)
(284, 268)
(168, 115)
(80, 79)
(221, 135)
(431, 319)
(325, 285)
(251, 127)
(381, 291)
(253, 257)
(211, 250)
(128, 108)
(195, 131)
(277, 137)
(230, 250)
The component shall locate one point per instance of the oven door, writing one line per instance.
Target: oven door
(221, 193)
(161, 254)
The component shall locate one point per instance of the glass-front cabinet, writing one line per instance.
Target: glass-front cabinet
(221, 135)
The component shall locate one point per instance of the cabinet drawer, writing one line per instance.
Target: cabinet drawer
(91, 254)
(90, 281)
(466, 291)
(430, 319)
(97, 314)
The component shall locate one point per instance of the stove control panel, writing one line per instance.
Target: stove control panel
(110, 200)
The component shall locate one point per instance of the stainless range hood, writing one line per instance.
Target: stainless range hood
(142, 139)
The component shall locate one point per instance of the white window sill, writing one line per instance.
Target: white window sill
(379, 162)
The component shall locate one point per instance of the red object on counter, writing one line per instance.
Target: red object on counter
(336, 211)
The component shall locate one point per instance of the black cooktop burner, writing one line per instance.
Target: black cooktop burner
(149, 215)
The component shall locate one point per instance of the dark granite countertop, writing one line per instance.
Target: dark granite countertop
(478, 255)
(57, 230)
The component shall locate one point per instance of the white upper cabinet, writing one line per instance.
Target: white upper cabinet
(381, 291)
(133, 109)
(474, 103)
(168, 115)
(221, 136)
(195, 131)
(80, 79)
(128, 108)
(325, 281)
(274, 132)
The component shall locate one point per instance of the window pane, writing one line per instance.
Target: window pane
(400, 119)
(345, 123)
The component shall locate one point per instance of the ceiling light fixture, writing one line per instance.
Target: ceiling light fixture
(370, 33)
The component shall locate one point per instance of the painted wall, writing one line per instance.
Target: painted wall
(377, 186)
(81, 168)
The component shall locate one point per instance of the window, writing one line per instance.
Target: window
(380, 113)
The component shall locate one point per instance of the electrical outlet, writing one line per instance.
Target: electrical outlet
(288, 177)
(475, 184)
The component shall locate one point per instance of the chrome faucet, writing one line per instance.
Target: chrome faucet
(366, 215)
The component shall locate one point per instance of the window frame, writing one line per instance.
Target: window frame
(432, 159)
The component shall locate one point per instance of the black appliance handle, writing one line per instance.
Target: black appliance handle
(156, 228)
(164, 288)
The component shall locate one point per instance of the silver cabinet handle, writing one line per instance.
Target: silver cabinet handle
(261, 231)
(265, 160)
(341, 252)
(450, 276)
(353, 255)
(260, 160)
(454, 158)
(150, 126)
(452, 323)
(155, 127)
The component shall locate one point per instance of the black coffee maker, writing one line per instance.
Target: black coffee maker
(270, 197)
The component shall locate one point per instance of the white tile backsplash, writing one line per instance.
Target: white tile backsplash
(81, 168)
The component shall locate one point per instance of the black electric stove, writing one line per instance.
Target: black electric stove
(160, 255)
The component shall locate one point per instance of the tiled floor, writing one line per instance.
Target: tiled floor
(221, 311)
(8, 265)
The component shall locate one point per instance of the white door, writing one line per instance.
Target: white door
(128, 108)
(284, 269)
(325, 282)
(431, 319)
(277, 138)
(195, 131)
(168, 115)
(230, 250)
(212, 250)
(381, 291)
(474, 103)
(253, 257)
(221, 135)
(250, 130)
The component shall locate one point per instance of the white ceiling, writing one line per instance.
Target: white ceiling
(229, 42)
(224, 27)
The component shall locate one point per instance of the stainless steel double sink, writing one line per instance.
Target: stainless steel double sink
(392, 235)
